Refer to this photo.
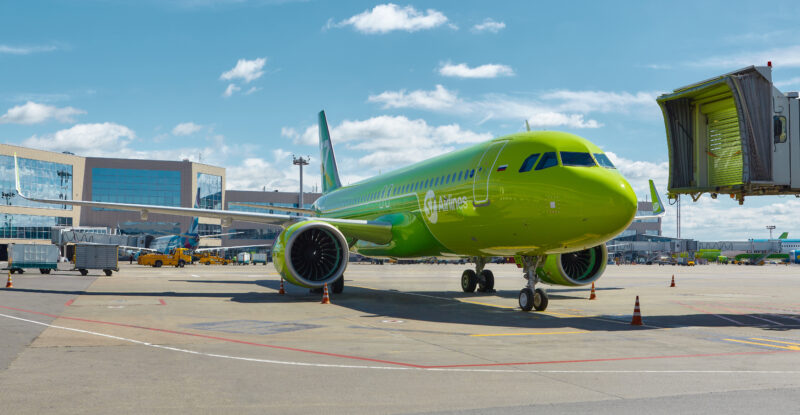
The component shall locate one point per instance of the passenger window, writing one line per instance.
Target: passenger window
(604, 161)
(548, 160)
(447, 179)
(459, 175)
(527, 165)
(472, 173)
(571, 158)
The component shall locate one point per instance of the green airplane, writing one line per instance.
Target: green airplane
(549, 199)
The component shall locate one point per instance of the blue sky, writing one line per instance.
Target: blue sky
(238, 83)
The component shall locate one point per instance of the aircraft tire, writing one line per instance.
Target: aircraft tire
(540, 300)
(469, 281)
(338, 285)
(486, 281)
(526, 299)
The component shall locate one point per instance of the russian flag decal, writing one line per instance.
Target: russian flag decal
(503, 167)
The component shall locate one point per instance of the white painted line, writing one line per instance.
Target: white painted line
(325, 365)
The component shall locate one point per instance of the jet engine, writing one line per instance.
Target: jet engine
(574, 268)
(310, 254)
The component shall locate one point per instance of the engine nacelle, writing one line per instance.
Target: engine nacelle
(310, 254)
(574, 268)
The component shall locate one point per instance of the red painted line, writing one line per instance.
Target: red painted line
(160, 300)
(69, 303)
(389, 362)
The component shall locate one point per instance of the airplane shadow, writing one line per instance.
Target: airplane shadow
(448, 307)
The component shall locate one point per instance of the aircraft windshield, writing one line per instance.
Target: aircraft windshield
(604, 161)
(570, 158)
(547, 160)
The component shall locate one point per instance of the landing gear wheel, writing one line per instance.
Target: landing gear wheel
(338, 285)
(526, 299)
(540, 300)
(469, 281)
(486, 281)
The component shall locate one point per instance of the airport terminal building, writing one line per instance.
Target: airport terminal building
(154, 182)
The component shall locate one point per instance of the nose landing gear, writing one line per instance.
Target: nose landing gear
(481, 278)
(531, 297)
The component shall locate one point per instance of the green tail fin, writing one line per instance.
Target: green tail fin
(658, 205)
(784, 235)
(330, 174)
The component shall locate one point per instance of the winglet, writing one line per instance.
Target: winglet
(16, 176)
(658, 205)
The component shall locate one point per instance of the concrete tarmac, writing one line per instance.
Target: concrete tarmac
(400, 339)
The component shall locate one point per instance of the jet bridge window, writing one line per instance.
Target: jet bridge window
(547, 160)
(604, 161)
(527, 165)
(571, 158)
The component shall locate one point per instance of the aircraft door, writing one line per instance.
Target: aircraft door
(483, 171)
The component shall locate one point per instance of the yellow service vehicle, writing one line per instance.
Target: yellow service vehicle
(177, 258)
(208, 259)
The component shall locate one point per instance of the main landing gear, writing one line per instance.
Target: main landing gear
(531, 297)
(481, 278)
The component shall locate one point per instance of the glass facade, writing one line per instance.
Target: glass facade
(41, 179)
(30, 226)
(145, 187)
(209, 191)
(207, 229)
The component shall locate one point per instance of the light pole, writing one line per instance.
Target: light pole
(300, 161)
(770, 227)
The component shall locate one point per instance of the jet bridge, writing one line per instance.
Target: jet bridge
(734, 134)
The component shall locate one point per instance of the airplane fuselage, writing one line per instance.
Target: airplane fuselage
(478, 202)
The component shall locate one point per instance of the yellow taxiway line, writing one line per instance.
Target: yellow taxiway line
(793, 346)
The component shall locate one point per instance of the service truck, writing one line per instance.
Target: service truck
(258, 259)
(43, 257)
(178, 258)
(96, 256)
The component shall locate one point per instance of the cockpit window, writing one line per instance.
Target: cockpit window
(604, 161)
(572, 158)
(527, 165)
(548, 160)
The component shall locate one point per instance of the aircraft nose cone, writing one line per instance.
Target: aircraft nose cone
(619, 207)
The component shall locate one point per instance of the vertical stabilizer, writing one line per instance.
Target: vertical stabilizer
(658, 205)
(330, 173)
(784, 235)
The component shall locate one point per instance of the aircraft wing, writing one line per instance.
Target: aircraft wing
(282, 209)
(223, 248)
(372, 231)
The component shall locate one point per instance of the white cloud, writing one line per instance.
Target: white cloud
(309, 137)
(255, 173)
(33, 113)
(788, 82)
(186, 128)
(387, 143)
(246, 70)
(438, 99)
(385, 18)
(86, 139)
(538, 112)
(252, 90)
(462, 70)
(230, 90)
(602, 101)
(25, 50)
(785, 57)
(489, 25)
(639, 173)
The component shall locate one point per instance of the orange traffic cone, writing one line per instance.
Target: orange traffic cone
(325, 298)
(282, 291)
(9, 284)
(637, 315)
(673, 281)
(592, 295)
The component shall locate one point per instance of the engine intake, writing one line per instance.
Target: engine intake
(574, 268)
(310, 254)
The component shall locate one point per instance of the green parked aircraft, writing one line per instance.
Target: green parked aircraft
(549, 199)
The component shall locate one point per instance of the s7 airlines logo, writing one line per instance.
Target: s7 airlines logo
(431, 207)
